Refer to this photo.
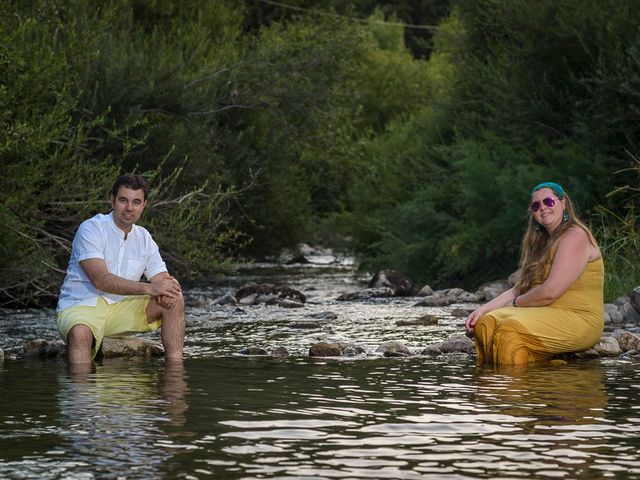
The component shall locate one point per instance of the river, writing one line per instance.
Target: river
(224, 415)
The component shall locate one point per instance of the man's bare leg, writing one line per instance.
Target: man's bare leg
(79, 341)
(172, 330)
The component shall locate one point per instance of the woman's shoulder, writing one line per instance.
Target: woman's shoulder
(577, 238)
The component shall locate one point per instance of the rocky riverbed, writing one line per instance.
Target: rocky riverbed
(316, 305)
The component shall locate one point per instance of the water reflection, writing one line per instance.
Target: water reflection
(124, 418)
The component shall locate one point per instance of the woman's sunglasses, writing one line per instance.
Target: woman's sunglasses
(549, 202)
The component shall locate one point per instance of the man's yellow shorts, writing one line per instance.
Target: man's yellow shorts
(108, 319)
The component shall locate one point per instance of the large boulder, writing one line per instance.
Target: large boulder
(131, 347)
(491, 290)
(608, 347)
(457, 344)
(398, 282)
(324, 349)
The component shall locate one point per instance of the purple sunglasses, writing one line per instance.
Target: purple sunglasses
(549, 202)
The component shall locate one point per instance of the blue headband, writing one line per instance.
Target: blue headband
(553, 186)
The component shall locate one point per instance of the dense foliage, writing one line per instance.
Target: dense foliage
(261, 126)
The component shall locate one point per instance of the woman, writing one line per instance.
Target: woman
(557, 304)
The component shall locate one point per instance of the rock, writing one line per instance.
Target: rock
(617, 333)
(425, 320)
(629, 341)
(491, 290)
(226, 299)
(613, 312)
(131, 347)
(425, 291)
(432, 301)
(620, 301)
(608, 347)
(286, 303)
(634, 299)
(34, 348)
(394, 348)
(591, 353)
(367, 294)
(304, 325)
(457, 344)
(253, 351)
(630, 314)
(398, 282)
(432, 350)
(280, 352)
(461, 312)
(1, 355)
(269, 290)
(57, 348)
(324, 349)
(300, 259)
(324, 316)
(513, 278)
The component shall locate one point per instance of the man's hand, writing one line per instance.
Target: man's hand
(165, 289)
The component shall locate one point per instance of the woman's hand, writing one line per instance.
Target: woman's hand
(474, 317)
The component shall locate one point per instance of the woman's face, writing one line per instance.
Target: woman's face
(547, 208)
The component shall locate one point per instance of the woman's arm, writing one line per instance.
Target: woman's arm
(571, 258)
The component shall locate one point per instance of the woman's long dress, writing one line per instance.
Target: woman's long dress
(521, 335)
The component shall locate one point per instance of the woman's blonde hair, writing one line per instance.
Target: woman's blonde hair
(537, 245)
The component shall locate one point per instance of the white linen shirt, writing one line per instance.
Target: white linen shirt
(129, 258)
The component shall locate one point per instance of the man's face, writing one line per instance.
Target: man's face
(127, 207)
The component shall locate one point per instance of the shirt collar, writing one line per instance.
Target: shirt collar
(121, 234)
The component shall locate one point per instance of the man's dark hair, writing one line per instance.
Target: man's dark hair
(134, 182)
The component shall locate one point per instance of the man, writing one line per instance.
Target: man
(102, 294)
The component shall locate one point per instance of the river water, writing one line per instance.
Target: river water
(224, 415)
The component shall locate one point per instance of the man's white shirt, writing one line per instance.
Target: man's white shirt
(129, 257)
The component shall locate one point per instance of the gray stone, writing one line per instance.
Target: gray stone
(620, 301)
(491, 290)
(57, 348)
(617, 333)
(591, 353)
(425, 291)
(432, 301)
(280, 352)
(424, 320)
(131, 347)
(630, 314)
(268, 290)
(226, 299)
(461, 312)
(398, 282)
(367, 294)
(608, 347)
(457, 344)
(287, 303)
(304, 325)
(634, 299)
(613, 312)
(395, 347)
(1, 355)
(253, 351)
(324, 316)
(432, 350)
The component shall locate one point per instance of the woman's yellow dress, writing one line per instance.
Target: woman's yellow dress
(522, 335)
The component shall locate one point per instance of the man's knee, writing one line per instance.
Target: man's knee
(80, 335)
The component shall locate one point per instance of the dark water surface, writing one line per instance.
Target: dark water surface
(302, 418)
(221, 415)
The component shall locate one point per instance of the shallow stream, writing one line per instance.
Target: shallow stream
(223, 415)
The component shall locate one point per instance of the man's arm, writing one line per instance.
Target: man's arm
(165, 301)
(103, 280)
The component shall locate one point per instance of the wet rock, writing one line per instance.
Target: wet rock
(425, 291)
(324, 316)
(266, 291)
(629, 341)
(394, 348)
(630, 314)
(461, 312)
(298, 259)
(57, 348)
(432, 351)
(608, 347)
(353, 350)
(491, 290)
(324, 349)
(441, 298)
(286, 303)
(588, 354)
(1, 355)
(131, 347)
(367, 294)
(425, 320)
(253, 351)
(634, 299)
(226, 299)
(304, 325)
(612, 313)
(280, 352)
(34, 348)
(457, 344)
(398, 282)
